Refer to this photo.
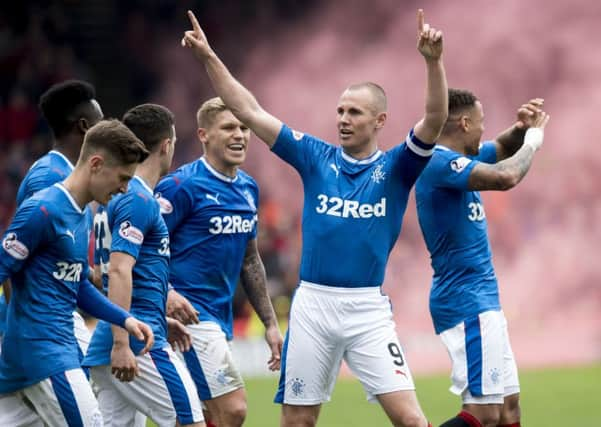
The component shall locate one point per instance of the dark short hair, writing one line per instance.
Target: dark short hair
(460, 100)
(61, 105)
(114, 139)
(151, 123)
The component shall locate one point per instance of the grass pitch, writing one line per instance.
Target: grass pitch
(551, 397)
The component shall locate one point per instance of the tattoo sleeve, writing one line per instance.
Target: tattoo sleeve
(504, 174)
(254, 281)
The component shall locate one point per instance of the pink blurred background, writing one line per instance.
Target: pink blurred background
(297, 59)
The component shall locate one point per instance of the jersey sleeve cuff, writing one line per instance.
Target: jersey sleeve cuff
(419, 147)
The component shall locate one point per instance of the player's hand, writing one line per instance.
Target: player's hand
(275, 342)
(141, 331)
(180, 308)
(123, 362)
(429, 40)
(535, 135)
(178, 336)
(541, 120)
(196, 39)
(529, 112)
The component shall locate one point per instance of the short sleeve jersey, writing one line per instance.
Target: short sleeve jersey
(211, 218)
(353, 209)
(453, 223)
(137, 229)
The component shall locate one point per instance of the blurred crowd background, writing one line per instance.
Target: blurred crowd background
(297, 56)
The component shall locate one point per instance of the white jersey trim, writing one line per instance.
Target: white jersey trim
(418, 150)
(71, 199)
(58, 153)
(141, 181)
(218, 174)
(341, 290)
(372, 158)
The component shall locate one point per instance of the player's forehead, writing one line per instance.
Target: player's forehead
(225, 118)
(478, 109)
(96, 111)
(361, 98)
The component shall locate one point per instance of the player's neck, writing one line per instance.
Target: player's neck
(150, 171)
(78, 187)
(361, 153)
(224, 169)
(69, 146)
(451, 143)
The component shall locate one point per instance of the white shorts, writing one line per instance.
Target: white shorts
(65, 399)
(484, 369)
(82, 333)
(164, 391)
(329, 324)
(210, 361)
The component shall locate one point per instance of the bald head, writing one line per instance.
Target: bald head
(377, 94)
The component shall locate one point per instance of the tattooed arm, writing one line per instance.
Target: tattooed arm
(254, 281)
(508, 173)
(510, 140)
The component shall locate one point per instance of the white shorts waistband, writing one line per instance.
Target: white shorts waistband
(367, 290)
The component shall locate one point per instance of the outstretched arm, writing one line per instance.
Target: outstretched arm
(239, 100)
(429, 44)
(508, 173)
(254, 281)
(509, 141)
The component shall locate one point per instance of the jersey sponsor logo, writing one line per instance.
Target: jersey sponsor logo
(335, 206)
(69, 272)
(335, 169)
(250, 200)
(14, 247)
(378, 174)
(460, 163)
(165, 205)
(476, 212)
(131, 233)
(297, 135)
(214, 198)
(231, 224)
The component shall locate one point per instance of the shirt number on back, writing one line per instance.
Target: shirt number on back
(476, 212)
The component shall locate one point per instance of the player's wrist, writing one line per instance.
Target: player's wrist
(534, 138)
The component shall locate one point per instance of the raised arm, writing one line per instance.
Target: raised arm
(239, 100)
(509, 141)
(254, 281)
(429, 44)
(508, 173)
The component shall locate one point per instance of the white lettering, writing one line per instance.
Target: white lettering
(335, 206)
(231, 224)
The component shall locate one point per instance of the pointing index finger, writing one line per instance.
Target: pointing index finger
(194, 21)
(420, 20)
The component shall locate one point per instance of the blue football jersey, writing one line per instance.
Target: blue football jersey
(47, 170)
(211, 218)
(453, 223)
(353, 209)
(138, 229)
(44, 252)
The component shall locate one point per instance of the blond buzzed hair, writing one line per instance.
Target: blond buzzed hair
(205, 116)
(377, 92)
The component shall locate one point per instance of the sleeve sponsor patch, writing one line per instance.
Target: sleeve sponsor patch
(131, 233)
(460, 163)
(165, 205)
(297, 135)
(14, 247)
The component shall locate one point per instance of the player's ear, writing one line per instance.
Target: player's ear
(464, 123)
(96, 163)
(165, 145)
(83, 125)
(380, 120)
(202, 135)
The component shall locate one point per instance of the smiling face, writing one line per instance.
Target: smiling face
(225, 142)
(358, 120)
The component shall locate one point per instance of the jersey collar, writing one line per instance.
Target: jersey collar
(143, 183)
(372, 158)
(71, 199)
(61, 155)
(216, 173)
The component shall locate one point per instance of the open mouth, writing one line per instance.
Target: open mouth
(237, 147)
(345, 133)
